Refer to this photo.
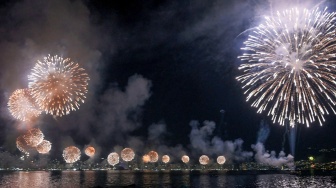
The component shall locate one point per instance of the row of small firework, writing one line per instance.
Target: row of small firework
(56, 86)
(72, 154)
(34, 139)
(153, 157)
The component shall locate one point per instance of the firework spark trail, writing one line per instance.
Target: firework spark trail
(291, 66)
(90, 151)
(58, 85)
(113, 158)
(44, 147)
(22, 106)
(71, 154)
(127, 154)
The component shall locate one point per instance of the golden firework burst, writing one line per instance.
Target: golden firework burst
(58, 85)
(22, 106)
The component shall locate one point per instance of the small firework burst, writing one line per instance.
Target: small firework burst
(204, 160)
(145, 158)
(113, 158)
(153, 156)
(44, 147)
(22, 106)
(185, 158)
(22, 145)
(221, 160)
(165, 159)
(71, 154)
(90, 151)
(127, 154)
(33, 137)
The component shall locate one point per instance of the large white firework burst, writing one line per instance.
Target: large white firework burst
(290, 66)
(58, 85)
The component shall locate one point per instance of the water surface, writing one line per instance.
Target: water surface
(65, 179)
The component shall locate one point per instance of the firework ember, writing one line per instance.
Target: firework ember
(58, 85)
(71, 154)
(34, 137)
(153, 156)
(44, 147)
(145, 158)
(204, 160)
(165, 159)
(90, 151)
(22, 106)
(185, 158)
(113, 158)
(127, 154)
(22, 145)
(221, 160)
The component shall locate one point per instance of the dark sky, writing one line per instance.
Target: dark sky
(151, 63)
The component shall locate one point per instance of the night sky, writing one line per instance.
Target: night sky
(155, 66)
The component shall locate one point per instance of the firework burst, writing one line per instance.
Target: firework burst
(153, 156)
(33, 137)
(290, 70)
(221, 160)
(145, 158)
(113, 158)
(185, 158)
(90, 151)
(22, 145)
(204, 160)
(71, 154)
(44, 147)
(22, 106)
(127, 154)
(165, 159)
(58, 85)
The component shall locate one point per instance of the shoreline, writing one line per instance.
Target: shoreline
(194, 172)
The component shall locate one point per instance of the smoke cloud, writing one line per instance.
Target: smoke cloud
(156, 130)
(271, 159)
(202, 142)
